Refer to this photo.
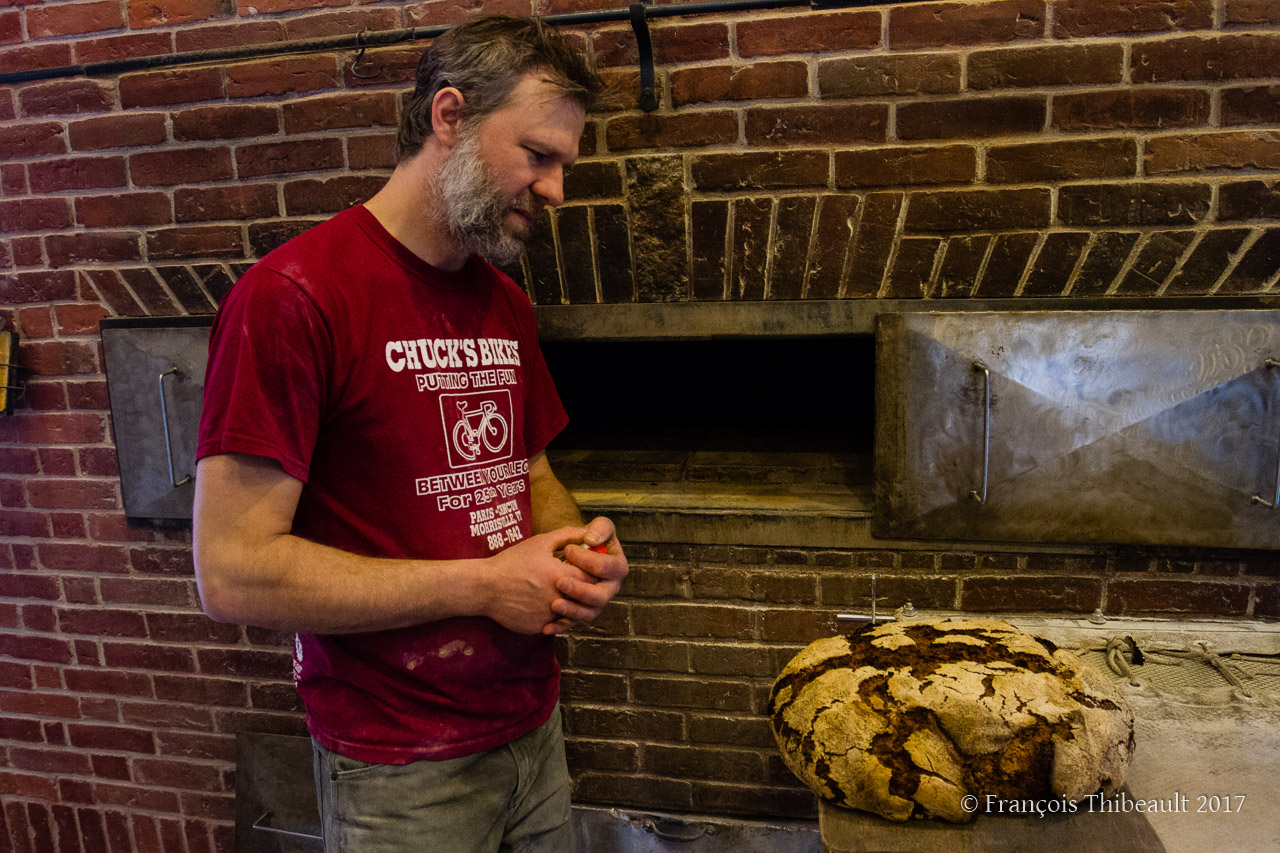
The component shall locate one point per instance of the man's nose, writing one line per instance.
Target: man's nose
(550, 186)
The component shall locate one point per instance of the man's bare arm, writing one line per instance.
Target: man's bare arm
(252, 570)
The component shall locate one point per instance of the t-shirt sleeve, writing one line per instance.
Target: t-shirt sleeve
(265, 380)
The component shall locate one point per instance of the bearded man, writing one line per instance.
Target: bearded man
(372, 474)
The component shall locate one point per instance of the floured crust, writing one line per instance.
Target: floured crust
(905, 719)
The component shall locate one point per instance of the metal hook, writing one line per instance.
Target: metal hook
(355, 72)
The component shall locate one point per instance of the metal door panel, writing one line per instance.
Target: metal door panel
(1153, 427)
(155, 381)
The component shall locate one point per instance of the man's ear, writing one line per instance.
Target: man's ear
(446, 115)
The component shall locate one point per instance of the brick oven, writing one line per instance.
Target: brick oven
(805, 171)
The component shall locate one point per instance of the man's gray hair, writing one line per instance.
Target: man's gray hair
(485, 60)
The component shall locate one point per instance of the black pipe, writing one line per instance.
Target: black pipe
(383, 38)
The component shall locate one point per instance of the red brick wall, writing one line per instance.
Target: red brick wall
(1005, 148)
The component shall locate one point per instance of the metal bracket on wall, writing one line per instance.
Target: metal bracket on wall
(644, 44)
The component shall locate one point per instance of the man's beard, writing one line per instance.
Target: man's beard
(474, 210)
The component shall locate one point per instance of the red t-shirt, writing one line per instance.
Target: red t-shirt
(408, 400)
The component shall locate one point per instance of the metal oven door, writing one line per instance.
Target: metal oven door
(1143, 427)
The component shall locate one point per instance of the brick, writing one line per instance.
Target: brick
(10, 33)
(809, 33)
(45, 649)
(35, 586)
(1252, 12)
(77, 173)
(750, 244)
(672, 43)
(128, 46)
(708, 224)
(1106, 257)
(689, 693)
(180, 166)
(1126, 597)
(1223, 58)
(105, 682)
(34, 214)
(168, 13)
(32, 139)
(1133, 204)
(13, 179)
(795, 802)
(869, 76)
(200, 690)
(1249, 200)
(212, 241)
(225, 122)
(267, 236)
(184, 286)
(330, 195)
(957, 276)
(241, 201)
(72, 494)
(334, 112)
(834, 124)
(593, 180)
(169, 87)
(243, 663)
(54, 428)
(1156, 258)
(282, 75)
(833, 232)
(182, 775)
(760, 170)
(60, 358)
(65, 98)
(680, 130)
(1085, 18)
(1258, 266)
(796, 626)
(340, 22)
(974, 210)
(952, 24)
(788, 252)
(910, 270)
(118, 209)
(1132, 108)
(1071, 65)
(50, 761)
(1251, 105)
(1051, 271)
(148, 591)
(73, 18)
(101, 622)
(1063, 161)
(31, 57)
(1208, 259)
(601, 755)
(971, 117)
(372, 152)
(730, 765)
(874, 238)
(294, 156)
(40, 704)
(759, 81)
(112, 738)
(117, 131)
(630, 789)
(92, 247)
(898, 166)
(1006, 263)
(1250, 150)
(1040, 593)
(233, 35)
(162, 561)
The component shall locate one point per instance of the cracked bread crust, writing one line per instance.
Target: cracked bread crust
(905, 719)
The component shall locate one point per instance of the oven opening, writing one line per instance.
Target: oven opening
(737, 416)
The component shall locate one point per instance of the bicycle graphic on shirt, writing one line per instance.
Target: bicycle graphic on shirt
(479, 427)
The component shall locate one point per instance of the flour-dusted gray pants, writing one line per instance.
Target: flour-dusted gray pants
(512, 799)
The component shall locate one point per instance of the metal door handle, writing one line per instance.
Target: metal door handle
(164, 421)
(1259, 499)
(261, 825)
(981, 367)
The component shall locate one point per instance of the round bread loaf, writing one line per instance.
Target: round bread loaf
(905, 719)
